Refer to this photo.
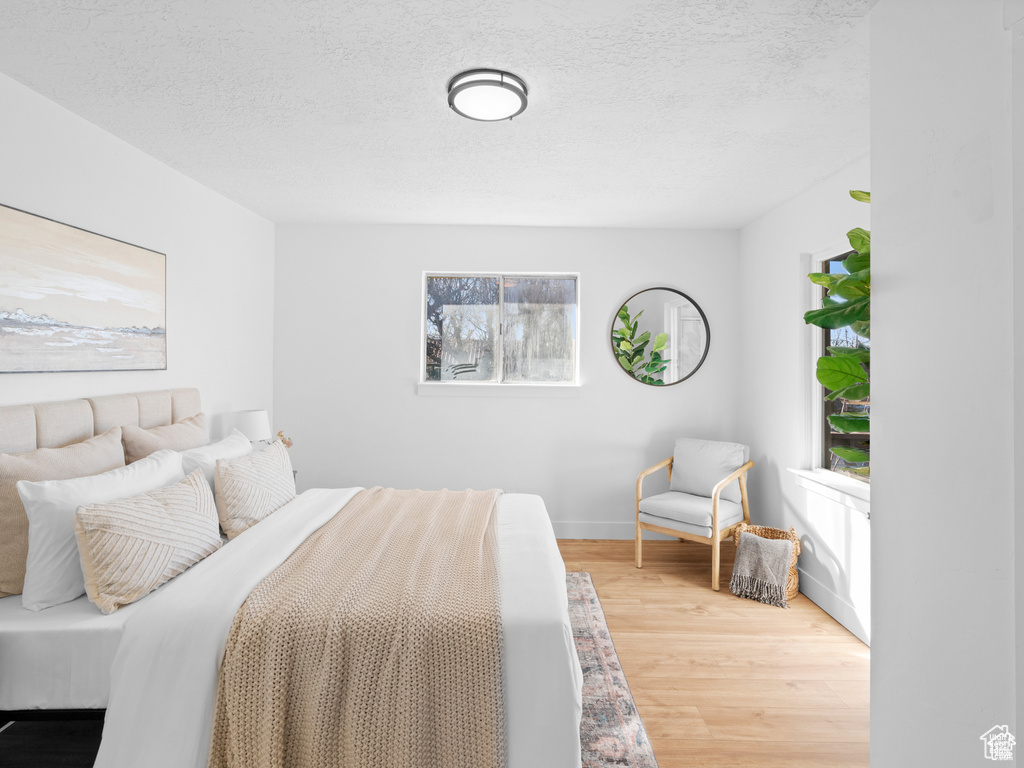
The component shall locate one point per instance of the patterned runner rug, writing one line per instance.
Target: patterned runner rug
(611, 732)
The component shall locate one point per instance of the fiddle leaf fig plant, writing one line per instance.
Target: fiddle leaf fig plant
(846, 370)
(631, 350)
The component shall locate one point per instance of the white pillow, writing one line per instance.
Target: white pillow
(53, 570)
(205, 457)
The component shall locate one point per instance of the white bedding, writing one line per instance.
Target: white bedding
(58, 658)
(160, 714)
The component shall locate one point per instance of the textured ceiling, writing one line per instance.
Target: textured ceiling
(663, 113)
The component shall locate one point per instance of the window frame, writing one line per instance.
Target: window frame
(540, 388)
(819, 338)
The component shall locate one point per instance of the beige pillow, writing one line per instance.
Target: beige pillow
(185, 434)
(251, 487)
(89, 457)
(132, 546)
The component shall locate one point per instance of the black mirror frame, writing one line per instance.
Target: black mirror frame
(703, 317)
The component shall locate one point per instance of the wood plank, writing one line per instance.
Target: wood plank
(662, 722)
(709, 753)
(751, 694)
(856, 693)
(792, 724)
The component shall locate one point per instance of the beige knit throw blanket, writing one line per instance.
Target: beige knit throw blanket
(377, 643)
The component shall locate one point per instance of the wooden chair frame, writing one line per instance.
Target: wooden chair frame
(716, 537)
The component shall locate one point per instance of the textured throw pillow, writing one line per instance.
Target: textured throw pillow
(250, 488)
(699, 465)
(89, 457)
(187, 433)
(132, 546)
(205, 457)
(53, 571)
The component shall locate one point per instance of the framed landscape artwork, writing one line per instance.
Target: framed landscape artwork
(72, 300)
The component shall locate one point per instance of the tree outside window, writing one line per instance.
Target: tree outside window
(511, 328)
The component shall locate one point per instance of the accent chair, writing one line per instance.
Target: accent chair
(707, 497)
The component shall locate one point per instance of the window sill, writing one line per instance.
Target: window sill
(491, 389)
(852, 493)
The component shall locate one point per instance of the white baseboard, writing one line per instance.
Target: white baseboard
(834, 605)
(575, 529)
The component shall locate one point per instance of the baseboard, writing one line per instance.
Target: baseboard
(834, 605)
(574, 529)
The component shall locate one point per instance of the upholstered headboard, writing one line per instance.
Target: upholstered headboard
(52, 425)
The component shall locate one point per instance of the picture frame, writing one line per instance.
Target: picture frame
(75, 300)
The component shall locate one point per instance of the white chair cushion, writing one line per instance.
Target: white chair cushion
(699, 465)
(691, 511)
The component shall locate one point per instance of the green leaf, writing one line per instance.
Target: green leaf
(624, 314)
(849, 288)
(858, 262)
(850, 422)
(624, 362)
(854, 455)
(861, 197)
(860, 354)
(839, 372)
(861, 328)
(840, 314)
(860, 241)
(625, 346)
(823, 278)
(863, 275)
(657, 382)
(852, 392)
(659, 342)
(642, 339)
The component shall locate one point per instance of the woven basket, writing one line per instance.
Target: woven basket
(793, 584)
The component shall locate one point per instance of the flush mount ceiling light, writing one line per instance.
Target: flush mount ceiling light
(487, 95)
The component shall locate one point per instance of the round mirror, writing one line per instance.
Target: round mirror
(660, 336)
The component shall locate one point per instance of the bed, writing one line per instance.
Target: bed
(153, 664)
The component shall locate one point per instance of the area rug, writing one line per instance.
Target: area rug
(611, 733)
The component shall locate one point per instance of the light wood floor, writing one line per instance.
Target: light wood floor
(721, 681)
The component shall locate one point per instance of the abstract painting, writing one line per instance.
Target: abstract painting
(72, 300)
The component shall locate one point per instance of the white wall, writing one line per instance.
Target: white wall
(774, 406)
(347, 351)
(220, 256)
(1015, 18)
(943, 415)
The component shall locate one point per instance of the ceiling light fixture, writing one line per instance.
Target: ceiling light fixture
(487, 95)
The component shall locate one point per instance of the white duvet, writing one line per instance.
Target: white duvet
(164, 676)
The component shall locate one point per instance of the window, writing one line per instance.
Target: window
(842, 337)
(500, 328)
